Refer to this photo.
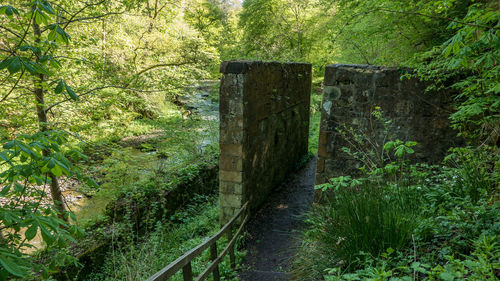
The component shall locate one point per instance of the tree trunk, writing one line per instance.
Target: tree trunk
(55, 190)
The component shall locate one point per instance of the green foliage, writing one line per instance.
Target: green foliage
(123, 60)
(26, 211)
(119, 68)
(138, 262)
(473, 49)
(295, 30)
(480, 265)
(382, 162)
(446, 228)
(477, 171)
(441, 222)
(141, 189)
(35, 160)
(344, 31)
(191, 225)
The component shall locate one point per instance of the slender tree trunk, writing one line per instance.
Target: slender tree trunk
(103, 48)
(55, 190)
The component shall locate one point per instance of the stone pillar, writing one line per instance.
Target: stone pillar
(264, 125)
(231, 144)
(352, 92)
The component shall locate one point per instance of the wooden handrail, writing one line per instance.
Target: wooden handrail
(184, 261)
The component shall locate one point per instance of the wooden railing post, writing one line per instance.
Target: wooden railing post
(184, 261)
(213, 257)
(187, 272)
(231, 249)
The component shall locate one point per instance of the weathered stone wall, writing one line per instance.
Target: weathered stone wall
(264, 124)
(351, 93)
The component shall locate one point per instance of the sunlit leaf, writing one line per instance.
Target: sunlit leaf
(57, 171)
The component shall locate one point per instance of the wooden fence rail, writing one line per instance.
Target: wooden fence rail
(184, 262)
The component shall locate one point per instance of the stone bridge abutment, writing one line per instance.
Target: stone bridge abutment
(351, 95)
(264, 123)
(264, 127)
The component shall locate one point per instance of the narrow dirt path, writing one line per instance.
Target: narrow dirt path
(274, 232)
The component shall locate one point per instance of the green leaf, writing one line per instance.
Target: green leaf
(52, 163)
(40, 69)
(33, 49)
(4, 157)
(15, 65)
(59, 87)
(31, 232)
(30, 68)
(400, 151)
(390, 168)
(389, 145)
(411, 143)
(38, 180)
(92, 183)
(64, 167)
(54, 62)
(47, 7)
(46, 235)
(5, 189)
(9, 145)
(71, 93)
(446, 276)
(18, 187)
(38, 17)
(27, 171)
(409, 150)
(8, 10)
(52, 35)
(57, 171)
(61, 242)
(23, 158)
(25, 149)
(12, 267)
(64, 36)
(6, 62)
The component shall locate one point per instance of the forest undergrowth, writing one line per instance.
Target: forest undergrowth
(405, 221)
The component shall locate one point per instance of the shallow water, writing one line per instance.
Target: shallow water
(201, 103)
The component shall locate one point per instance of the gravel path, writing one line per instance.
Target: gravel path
(274, 232)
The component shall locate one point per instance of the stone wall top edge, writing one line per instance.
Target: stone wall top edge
(242, 66)
(362, 66)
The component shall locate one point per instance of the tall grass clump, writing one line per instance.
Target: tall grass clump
(361, 220)
(367, 219)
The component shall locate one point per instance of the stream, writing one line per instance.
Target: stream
(199, 102)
